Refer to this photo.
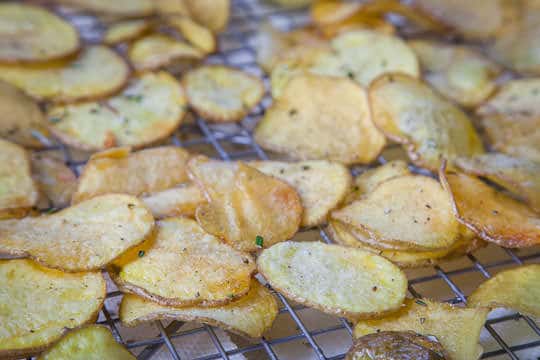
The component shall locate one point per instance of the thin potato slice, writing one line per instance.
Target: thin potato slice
(131, 8)
(515, 288)
(138, 173)
(168, 7)
(126, 31)
(95, 73)
(326, 12)
(17, 189)
(334, 279)
(213, 14)
(305, 125)
(246, 208)
(520, 176)
(197, 35)
(249, 316)
(183, 266)
(182, 200)
(458, 72)
(31, 33)
(222, 94)
(457, 329)
(31, 296)
(157, 50)
(322, 185)
(87, 343)
(492, 215)
(408, 212)
(429, 127)
(148, 110)
(515, 97)
(55, 180)
(22, 119)
(84, 237)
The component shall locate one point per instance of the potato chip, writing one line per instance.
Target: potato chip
(520, 176)
(31, 297)
(197, 35)
(184, 266)
(334, 279)
(303, 124)
(246, 208)
(131, 8)
(457, 72)
(31, 33)
(126, 30)
(22, 120)
(83, 237)
(181, 200)
(249, 316)
(55, 180)
(212, 14)
(457, 329)
(359, 21)
(429, 127)
(155, 51)
(322, 185)
(515, 288)
(90, 342)
(168, 7)
(222, 94)
(148, 110)
(95, 73)
(326, 12)
(17, 189)
(492, 215)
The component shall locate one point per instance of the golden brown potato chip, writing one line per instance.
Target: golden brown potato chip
(246, 208)
(55, 180)
(138, 173)
(131, 8)
(155, 51)
(359, 21)
(458, 72)
(168, 7)
(305, 125)
(181, 200)
(31, 33)
(89, 342)
(212, 14)
(492, 215)
(520, 176)
(325, 12)
(222, 94)
(197, 35)
(22, 120)
(515, 288)
(31, 297)
(249, 316)
(95, 73)
(17, 189)
(457, 329)
(83, 237)
(126, 30)
(148, 110)
(184, 266)
(429, 127)
(322, 185)
(334, 279)
(409, 212)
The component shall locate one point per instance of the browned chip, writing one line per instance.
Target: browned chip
(214, 14)
(56, 181)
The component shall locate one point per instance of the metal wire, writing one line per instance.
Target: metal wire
(233, 142)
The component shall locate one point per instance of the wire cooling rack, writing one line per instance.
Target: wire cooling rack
(299, 332)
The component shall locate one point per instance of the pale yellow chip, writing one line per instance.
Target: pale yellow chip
(458, 72)
(55, 180)
(126, 30)
(92, 342)
(249, 316)
(95, 73)
(17, 189)
(409, 212)
(492, 215)
(31, 33)
(457, 329)
(246, 208)
(222, 94)
(168, 7)
(515, 289)
(520, 176)
(213, 14)
(31, 297)
(429, 127)
(155, 51)
(197, 35)
(131, 8)
(320, 117)
(334, 279)
(22, 120)
(322, 185)
(181, 200)
(148, 110)
(83, 237)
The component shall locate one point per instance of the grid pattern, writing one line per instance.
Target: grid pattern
(449, 281)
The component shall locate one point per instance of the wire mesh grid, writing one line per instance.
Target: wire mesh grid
(295, 334)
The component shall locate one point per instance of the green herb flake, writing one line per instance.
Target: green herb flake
(55, 120)
(259, 241)
(420, 302)
(136, 98)
(141, 253)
